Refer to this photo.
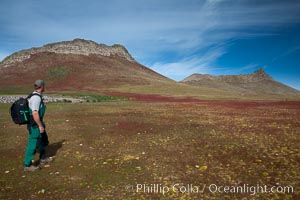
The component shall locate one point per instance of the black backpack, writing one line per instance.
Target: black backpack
(19, 110)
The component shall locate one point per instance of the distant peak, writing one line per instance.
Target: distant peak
(81, 40)
(260, 71)
(261, 74)
(258, 75)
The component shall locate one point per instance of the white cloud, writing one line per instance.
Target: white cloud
(250, 68)
(148, 29)
(203, 64)
(178, 24)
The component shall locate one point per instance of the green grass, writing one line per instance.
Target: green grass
(15, 90)
(90, 97)
(58, 72)
(182, 90)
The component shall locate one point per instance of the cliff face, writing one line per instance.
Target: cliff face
(77, 46)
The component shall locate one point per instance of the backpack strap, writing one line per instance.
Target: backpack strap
(31, 120)
(35, 94)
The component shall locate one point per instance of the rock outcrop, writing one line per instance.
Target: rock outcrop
(76, 46)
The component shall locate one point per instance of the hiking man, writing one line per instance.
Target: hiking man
(37, 137)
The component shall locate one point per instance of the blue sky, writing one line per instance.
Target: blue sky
(173, 37)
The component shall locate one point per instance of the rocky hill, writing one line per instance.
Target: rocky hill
(257, 76)
(256, 83)
(77, 65)
(83, 66)
(76, 46)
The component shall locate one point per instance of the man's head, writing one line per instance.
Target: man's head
(39, 85)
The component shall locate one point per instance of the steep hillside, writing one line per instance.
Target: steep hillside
(257, 83)
(77, 65)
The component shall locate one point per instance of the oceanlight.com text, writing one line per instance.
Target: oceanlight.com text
(252, 190)
(211, 188)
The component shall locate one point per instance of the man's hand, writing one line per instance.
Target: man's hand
(36, 118)
(42, 129)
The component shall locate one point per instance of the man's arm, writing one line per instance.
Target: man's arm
(36, 118)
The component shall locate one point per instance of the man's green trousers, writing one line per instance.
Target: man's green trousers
(34, 143)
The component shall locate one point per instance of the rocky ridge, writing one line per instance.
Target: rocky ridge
(76, 46)
(258, 75)
(257, 83)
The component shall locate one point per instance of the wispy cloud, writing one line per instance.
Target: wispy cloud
(288, 52)
(149, 29)
(185, 24)
(244, 69)
(196, 64)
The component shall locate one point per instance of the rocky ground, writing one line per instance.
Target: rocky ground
(11, 99)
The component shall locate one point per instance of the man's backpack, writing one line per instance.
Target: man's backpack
(19, 110)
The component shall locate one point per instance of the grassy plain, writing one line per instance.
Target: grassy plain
(103, 150)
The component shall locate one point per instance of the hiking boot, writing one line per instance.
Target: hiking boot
(32, 168)
(46, 160)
